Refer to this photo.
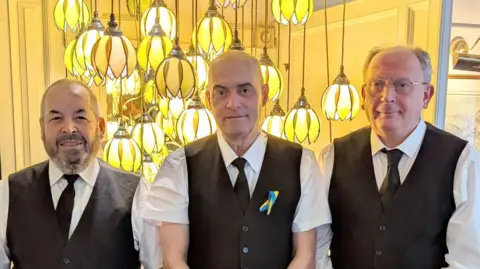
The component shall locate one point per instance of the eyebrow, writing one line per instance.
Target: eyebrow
(78, 111)
(238, 86)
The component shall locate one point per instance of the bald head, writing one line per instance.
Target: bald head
(400, 54)
(234, 61)
(72, 86)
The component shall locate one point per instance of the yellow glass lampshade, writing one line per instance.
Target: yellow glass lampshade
(67, 14)
(122, 151)
(213, 35)
(136, 7)
(154, 49)
(201, 66)
(70, 61)
(167, 20)
(295, 11)
(129, 86)
(150, 95)
(153, 137)
(114, 55)
(149, 168)
(84, 48)
(274, 123)
(340, 101)
(176, 77)
(175, 106)
(302, 122)
(167, 124)
(271, 77)
(195, 122)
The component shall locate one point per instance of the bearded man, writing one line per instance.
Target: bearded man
(74, 210)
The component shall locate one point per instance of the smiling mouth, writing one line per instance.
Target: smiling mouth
(235, 117)
(71, 143)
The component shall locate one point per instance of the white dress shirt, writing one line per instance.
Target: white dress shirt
(168, 198)
(83, 190)
(463, 232)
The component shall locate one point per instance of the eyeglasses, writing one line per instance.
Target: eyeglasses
(375, 87)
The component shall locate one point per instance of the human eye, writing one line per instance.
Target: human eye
(403, 86)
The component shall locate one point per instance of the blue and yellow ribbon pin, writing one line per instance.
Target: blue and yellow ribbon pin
(272, 198)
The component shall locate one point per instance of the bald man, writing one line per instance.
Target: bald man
(403, 194)
(239, 198)
(72, 211)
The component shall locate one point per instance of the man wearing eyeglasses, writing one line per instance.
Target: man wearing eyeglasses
(403, 194)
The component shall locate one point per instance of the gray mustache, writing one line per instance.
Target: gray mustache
(71, 137)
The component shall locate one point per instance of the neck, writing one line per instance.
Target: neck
(393, 139)
(241, 145)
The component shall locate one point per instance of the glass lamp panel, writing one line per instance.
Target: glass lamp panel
(302, 123)
(287, 8)
(314, 128)
(188, 79)
(101, 55)
(290, 125)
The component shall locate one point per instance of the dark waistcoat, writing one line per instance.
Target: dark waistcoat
(221, 235)
(411, 232)
(103, 238)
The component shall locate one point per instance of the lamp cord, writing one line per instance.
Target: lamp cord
(303, 69)
(266, 29)
(328, 68)
(343, 30)
(251, 29)
(289, 67)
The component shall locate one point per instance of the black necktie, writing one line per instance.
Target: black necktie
(65, 206)
(391, 183)
(241, 185)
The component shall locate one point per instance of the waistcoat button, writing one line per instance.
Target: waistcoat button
(245, 250)
(66, 261)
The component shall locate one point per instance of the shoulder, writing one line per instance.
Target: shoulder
(445, 136)
(124, 179)
(359, 134)
(29, 172)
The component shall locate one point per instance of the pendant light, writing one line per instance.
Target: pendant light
(270, 73)
(292, 11)
(114, 55)
(274, 123)
(84, 48)
(122, 152)
(67, 14)
(236, 43)
(341, 101)
(165, 16)
(198, 62)
(213, 35)
(302, 123)
(136, 7)
(155, 47)
(176, 77)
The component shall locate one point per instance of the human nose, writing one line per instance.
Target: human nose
(233, 100)
(388, 93)
(69, 127)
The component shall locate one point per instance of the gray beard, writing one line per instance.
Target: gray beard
(75, 161)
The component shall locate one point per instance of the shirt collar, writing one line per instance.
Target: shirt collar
(409, 146)
(89, 175)
(254, 154)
